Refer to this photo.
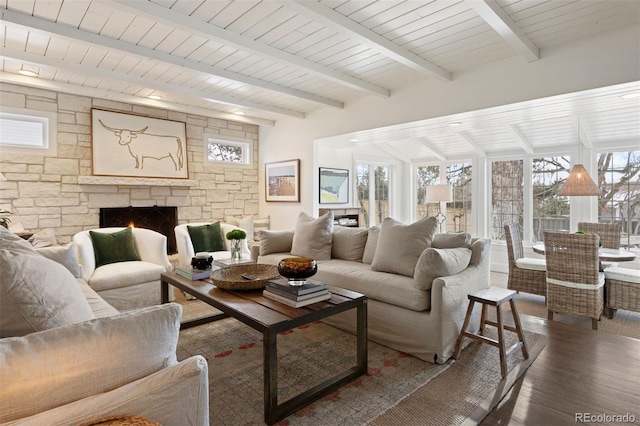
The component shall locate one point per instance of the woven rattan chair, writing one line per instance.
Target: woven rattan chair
(574, 283)
(609, 233)
(622, 288)
(525, 274)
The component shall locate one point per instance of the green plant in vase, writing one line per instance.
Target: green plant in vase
(4, 219)
(236, 236)
(582, 233)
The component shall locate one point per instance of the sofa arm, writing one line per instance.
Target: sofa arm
(55, 367)
(174, 396)
(152, 247)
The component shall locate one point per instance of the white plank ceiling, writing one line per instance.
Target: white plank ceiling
(269, 59)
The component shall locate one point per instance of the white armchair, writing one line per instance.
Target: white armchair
(185, 246)
(126, 285)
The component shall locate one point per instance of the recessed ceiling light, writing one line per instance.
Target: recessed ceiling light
(28, 73)
(239, 113)
(455, 124)
(630, 95)
(154, 97)
(354, 140)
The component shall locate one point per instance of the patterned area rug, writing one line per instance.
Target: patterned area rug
(307, 356)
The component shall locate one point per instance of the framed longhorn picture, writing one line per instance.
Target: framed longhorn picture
(138, 146)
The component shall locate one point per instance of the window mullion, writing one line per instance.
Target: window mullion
(528, 201)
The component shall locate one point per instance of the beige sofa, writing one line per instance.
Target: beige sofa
(69, 358)
(415, 309)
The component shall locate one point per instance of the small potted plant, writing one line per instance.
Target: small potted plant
(4, 219)
(236, 236)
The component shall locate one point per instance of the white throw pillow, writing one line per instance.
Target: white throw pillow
(400, 246)
(312, 237)
(348, 243)
(370, 246)
(66, 255)
(435, 263)
(37, 294)
(247, 224)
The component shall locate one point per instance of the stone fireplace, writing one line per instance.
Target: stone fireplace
(160, 219)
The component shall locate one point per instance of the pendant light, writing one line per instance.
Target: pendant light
(579, 183)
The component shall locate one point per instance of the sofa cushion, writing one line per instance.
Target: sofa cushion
(451, 240)
(245, 223)
(113, 247)
(66, 255)
(275, 242)
(348, 243)
(124, 274)
(400, 246)
(89, 358)
(435, 263)
(312, 237)
(206, 238)
(370, 246)
(37, 293)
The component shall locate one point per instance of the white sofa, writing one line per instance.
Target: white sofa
(420, 312)
(68, 357)
(185, 247)
(126, 285)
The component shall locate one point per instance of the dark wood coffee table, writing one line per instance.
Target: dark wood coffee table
(270, 318)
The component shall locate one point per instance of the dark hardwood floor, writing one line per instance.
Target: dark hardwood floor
(579, 371)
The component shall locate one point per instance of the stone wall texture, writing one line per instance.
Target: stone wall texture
(52, 192)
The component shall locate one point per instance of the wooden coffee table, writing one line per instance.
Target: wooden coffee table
(270, 318)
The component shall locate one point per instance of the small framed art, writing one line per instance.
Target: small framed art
(334, 186)
(282, 180)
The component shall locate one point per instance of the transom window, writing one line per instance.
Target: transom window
(228, 150)
(27, 131)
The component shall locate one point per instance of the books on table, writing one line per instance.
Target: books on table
(296, 296)
(323, 295)
(192, 273)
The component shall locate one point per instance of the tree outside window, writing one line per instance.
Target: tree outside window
(459, 218)
(507, 196)
(373, 193)
(426, 176)
(549, 210)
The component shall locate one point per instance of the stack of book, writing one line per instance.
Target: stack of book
(192, 273)
(296, 296)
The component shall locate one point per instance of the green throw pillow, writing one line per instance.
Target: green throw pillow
(112, 247)
(206, 237)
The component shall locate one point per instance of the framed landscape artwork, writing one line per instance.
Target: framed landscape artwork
(334, 186)
(282, 179)
(137, 146)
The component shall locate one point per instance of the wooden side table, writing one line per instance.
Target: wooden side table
(494, 296)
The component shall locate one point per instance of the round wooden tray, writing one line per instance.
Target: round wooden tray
(230, 278)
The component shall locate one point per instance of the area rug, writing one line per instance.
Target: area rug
(310, 354)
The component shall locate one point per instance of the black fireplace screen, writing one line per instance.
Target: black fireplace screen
(161, 219)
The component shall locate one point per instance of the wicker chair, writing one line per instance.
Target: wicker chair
(609, 233)
(525, 274)
(622, 287)
(574, 283)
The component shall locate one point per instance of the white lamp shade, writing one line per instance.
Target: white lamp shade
(438, 193)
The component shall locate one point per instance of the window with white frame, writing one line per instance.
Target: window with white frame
(27, 131)
(619, 202)
(507, 196)
(373, 182)
(227, 150)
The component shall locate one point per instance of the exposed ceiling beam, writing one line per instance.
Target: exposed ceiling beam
(478, 150)
(583, 135)
(439, 155)
(329, 17)
(499, 20)
(34, 59)
(385, 147)
(520, 139)
(195, 26)
(6, 77)
(75, 34)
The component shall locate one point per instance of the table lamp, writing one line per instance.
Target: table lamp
(439, 194)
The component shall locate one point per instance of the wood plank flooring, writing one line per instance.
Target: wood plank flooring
(579, 371)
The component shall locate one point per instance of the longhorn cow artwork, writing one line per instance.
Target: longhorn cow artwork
(131, 145)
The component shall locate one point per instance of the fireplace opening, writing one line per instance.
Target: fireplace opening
(160, 219)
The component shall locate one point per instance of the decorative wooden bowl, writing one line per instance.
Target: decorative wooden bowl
(230, 278)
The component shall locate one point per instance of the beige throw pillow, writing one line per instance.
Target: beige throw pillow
(275, 242)
(66, 255)
(370, 246)
(312, 237)
(400, 246)
(434, 263)
(37, 294)
(451, 240)
(348, 243)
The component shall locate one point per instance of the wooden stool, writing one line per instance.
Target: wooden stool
(496, 297)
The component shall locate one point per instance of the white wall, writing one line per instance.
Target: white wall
(608, 59)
